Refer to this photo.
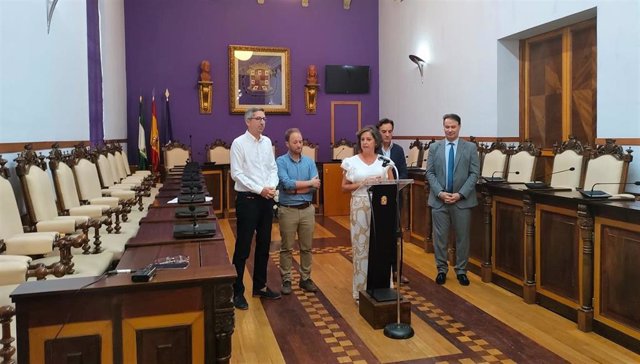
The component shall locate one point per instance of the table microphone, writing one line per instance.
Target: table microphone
(601, 194)
(497, 179)
(538, 185)
(192, 209)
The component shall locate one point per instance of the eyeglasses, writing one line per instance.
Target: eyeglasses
(260, 118)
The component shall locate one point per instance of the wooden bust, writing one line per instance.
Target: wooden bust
(312, 75)
(205, 68)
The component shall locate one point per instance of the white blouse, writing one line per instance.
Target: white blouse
(357, 171)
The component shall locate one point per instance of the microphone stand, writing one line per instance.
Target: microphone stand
(398, 330)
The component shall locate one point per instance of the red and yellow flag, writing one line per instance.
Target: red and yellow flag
(155, 138)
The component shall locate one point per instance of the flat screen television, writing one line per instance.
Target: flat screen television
(346, 79)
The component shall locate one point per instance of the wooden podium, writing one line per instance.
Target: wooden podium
(379, 304)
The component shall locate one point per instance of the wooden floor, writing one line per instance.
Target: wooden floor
(275, 331)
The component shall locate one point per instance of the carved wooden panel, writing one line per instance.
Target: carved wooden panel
(73, 350)
(618, 298)
(508, 239)
(558, 251)
(165, 345)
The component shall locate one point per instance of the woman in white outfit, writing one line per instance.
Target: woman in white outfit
(363, 167)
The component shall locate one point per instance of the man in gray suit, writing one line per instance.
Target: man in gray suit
(452, 171)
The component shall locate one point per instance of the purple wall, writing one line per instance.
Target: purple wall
(167, 39)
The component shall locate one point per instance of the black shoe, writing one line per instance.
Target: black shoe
(462, 278)
(240, 302)
(267, 294)
(286, 287)
(441, 277)
(307, 285)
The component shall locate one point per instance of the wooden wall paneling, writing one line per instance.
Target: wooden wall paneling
(557, 254)
(476, 238)
(616, 297)
(508, 239)
(230, 205)
(583, 85)
(420, 216)
(336, 202)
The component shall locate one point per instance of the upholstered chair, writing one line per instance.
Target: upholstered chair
(176, 154)
(414, 155)
(341, 150)
(41, 202)
(90, 190)
(67, 193)
(108, 180)
(14, 241)
(522, 162)
(570, 154)
(425, 153)
(218, 152)
(123, 165)
(494, 160)
(310, 149)
(607, 166)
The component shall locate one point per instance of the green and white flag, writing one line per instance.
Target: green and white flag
(142, 141)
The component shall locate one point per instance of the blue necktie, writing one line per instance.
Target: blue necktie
(450, 169)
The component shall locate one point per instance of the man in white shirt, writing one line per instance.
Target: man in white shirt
(254, 170)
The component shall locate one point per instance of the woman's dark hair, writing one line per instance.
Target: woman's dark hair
(376, 137)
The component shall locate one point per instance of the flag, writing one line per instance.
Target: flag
(168, 116)
(142, 141)
(155, 138)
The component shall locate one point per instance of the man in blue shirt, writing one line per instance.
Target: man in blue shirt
(298, 177)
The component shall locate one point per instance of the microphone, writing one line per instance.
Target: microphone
(497, 179)
(385, 161)
(601, 194)
(539, 185)
(192, 209)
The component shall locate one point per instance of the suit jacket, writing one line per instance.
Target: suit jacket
(465, 173)
(399, 159)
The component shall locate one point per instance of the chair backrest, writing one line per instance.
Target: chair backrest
(86, 173)
(218, 152)
(414, 155)
(494, 160)
(107, 179)
(10, 223)
(116, 169)
(523, 161)
(36, 185)
(570, 154)
(425, 153)
(175, 154)
(310, 149)
(63, 180)
(608, 163)
(342, 149)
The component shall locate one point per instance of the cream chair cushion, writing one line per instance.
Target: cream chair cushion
(493, 165)
(88, 180)
(126, 166)
(220, 155)
(13, 272)
(10, 223)
(341, 152)
(521, 162)
(41, 194)
(30, 243)
(67, 186)
(604, 169)
(310, 152)
(413, 156)
(562, 162)
(175, 157)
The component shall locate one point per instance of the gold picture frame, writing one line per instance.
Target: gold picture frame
(259, 77)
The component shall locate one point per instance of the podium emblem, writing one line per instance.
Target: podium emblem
(383, 200)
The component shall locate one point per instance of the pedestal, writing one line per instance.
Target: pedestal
(379, 314)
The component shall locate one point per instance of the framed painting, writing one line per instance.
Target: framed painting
(259, 77)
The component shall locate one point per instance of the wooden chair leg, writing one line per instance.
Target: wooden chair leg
(8, 350)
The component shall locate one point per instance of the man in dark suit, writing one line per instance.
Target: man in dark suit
(396, 154)
(453, 167)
